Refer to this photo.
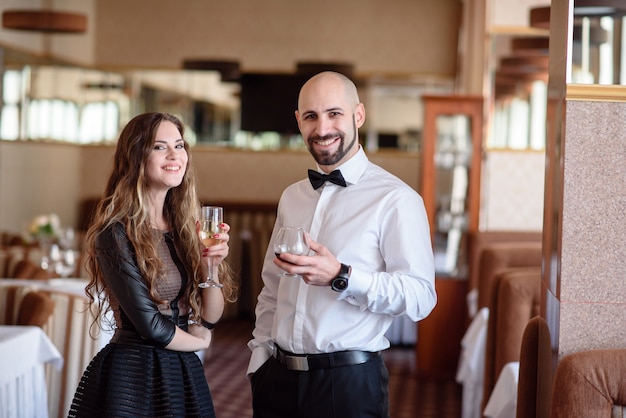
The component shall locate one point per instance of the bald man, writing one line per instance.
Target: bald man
(317, 342)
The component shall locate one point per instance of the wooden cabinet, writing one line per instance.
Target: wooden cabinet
(452, 154)
(450, 186)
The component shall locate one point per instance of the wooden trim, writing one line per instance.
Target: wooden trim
(518, 31)
(596, 92)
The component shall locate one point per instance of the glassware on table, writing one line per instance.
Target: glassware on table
(45, 246)
(63, 261)
(210, 220)
(293, 241)
(67, 238)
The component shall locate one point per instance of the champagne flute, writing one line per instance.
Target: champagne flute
(293, 241)
(211, 218)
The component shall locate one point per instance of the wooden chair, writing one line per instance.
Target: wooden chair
(35, 309)
(27, 269)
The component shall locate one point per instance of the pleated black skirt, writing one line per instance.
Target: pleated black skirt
(142, 381)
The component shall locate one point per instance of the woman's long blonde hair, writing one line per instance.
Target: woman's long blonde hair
(123, 203)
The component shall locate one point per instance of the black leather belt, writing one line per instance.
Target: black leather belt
(305, 362)
(132, 337)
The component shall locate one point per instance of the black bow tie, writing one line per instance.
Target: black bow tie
(318, 179)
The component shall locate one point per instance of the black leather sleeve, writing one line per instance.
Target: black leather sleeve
(117, 261)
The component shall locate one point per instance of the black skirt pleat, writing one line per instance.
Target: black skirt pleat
(142, 381)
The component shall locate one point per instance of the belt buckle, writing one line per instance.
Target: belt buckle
(297, 363)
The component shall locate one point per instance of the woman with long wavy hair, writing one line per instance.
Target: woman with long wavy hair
(145, 260)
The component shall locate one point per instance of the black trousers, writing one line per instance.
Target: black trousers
(358, 391)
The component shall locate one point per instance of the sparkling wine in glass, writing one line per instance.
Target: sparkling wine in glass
(293, 241)
(211, 218)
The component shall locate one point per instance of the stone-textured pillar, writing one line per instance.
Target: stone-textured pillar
(584, 277)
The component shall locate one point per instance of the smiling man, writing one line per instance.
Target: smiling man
(317, 342)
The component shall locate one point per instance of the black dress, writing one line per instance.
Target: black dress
(134, 375)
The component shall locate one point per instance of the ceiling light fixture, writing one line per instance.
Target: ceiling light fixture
(47, 21)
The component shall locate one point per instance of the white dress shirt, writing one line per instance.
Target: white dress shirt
(377, 225)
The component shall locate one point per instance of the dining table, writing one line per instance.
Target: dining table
(24, 353)
(69, 329)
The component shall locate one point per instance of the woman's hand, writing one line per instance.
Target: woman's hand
(201, 332)
(219, 251)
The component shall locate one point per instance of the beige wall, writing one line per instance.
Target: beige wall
(38, 178)
(242, 176)
(514, 13)
(512, 190)
(391, 37)
(394, 36)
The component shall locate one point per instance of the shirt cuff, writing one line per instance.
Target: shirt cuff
(259, 356)
(358, 286)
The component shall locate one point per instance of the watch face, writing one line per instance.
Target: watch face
(339, 284)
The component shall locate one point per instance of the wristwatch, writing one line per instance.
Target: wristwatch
(340, 283)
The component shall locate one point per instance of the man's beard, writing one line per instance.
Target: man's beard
(326, 158)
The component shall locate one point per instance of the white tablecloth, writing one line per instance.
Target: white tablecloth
(73, 286)
(503, 400)
(23, 353)
(471, 369)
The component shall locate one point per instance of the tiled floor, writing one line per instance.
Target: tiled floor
(226, 362)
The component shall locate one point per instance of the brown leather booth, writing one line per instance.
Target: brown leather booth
(515, 299)
(478, 241)
(590, 384)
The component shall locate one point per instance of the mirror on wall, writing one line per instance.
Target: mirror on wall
(519, 81)
(207, 105)
(45, 100)
(54, 101)
(395, 112)
(598, 42)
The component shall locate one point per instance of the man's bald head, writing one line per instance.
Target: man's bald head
(331, 80)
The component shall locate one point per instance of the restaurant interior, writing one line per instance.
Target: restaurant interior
(507, 116)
